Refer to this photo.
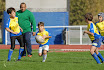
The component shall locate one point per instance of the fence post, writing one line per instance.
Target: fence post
(66, 37)
(80, 35)
(5, 37)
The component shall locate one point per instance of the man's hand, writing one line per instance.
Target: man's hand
(33, 33)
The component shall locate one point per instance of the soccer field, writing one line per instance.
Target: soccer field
(55, 61)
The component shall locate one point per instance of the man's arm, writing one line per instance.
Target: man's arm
(33, 22)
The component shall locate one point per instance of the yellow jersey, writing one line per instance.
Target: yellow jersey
(13, 25)
(45, 32)
(93, 29)
(100, 26)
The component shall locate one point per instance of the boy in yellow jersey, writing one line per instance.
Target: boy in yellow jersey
(43, 47)
(100, 25)
(95, 38)
(12, 26)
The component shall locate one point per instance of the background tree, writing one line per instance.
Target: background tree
(78, 8)
(2, 8)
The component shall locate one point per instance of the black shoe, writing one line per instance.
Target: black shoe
(23, 55)
(18, 59)
(102, 61)
(8, 60)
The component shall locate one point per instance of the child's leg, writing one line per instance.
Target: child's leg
(40, 51)
(10, 54)
(99, 55)
(20, 52)
(96, 51)
(46, 48)
(44, 55)
(12, 47)
(93, 48)
(20, 40)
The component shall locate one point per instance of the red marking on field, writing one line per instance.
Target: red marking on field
(55, 47)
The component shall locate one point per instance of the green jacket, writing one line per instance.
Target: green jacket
(25, 19)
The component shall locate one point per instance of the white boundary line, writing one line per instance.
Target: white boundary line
(78, 49)
(61, 26)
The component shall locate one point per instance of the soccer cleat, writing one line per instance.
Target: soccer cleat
(102, 61)
(29, 55)
(43, 61)
(23, 56)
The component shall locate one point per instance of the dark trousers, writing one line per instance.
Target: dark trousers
(20, 40)
(27, 43)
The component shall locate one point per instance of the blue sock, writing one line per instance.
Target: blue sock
(96, 58)
(100, 56)
(20, 53)
(10, 54)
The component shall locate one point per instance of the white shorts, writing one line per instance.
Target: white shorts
(45, 47)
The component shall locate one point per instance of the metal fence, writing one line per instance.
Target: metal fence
(71, 35)
(74, 35)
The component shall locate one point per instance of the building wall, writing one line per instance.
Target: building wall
(40, 5)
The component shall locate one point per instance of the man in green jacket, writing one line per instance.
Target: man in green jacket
(26, 19)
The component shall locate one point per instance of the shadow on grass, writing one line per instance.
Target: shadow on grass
(1, 60)
(30, 61)
(77, 60)
(47, 61)
(72, 62)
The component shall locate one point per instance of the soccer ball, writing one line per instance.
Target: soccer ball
(39, 39)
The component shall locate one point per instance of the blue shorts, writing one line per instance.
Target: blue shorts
(40, 45)
(97, 42)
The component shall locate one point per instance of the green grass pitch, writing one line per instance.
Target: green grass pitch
(55, 61)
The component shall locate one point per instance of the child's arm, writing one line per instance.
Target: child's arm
(44, 37)
(11, 31)
(88, 32)
(21, 29)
